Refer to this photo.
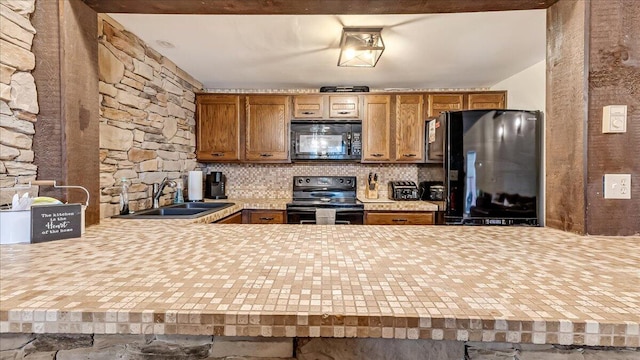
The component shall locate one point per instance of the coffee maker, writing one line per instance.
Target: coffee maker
(214, 185)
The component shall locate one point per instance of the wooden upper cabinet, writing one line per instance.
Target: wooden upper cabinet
(410, 134)
(445, 102)
(490, 100)
(376, 128)
(308, 107)
(267, 128)
(218, 128)
(344, 106)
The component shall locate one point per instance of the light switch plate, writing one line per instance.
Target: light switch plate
(617, 186)
(614, 119)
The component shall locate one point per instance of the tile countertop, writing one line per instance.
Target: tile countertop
(513, 284)
(281, 204)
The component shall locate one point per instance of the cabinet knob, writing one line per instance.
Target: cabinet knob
(409, 155)
(376, 155)
(266, 155)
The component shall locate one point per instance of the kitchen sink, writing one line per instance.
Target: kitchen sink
(178, 211)
(203, 205)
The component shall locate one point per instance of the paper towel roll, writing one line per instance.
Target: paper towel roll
(195, 185)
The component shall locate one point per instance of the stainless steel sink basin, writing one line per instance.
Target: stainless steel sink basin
(203, 205)
(178, 211)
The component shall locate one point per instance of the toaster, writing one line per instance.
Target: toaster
(403, 190)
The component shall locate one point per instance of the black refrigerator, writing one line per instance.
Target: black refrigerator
(492, 163)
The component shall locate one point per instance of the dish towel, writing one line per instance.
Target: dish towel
(325, 216)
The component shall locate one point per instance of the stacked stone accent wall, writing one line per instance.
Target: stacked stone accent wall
(18, 96)
(192, 347)
(147, 123)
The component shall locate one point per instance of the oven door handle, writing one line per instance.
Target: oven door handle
(338, 222)
(306, 210)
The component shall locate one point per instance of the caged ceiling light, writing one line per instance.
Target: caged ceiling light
(360, 47)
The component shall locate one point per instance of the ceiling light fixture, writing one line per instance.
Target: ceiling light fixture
(360, 47)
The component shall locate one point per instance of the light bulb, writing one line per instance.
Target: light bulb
(349, 53)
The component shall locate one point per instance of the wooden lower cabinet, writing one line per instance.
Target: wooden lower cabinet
(263, 217)
(231, 219)
(399, 218)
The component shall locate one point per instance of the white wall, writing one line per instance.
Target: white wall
(526, 90)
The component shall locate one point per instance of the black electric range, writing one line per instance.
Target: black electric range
(325, 192)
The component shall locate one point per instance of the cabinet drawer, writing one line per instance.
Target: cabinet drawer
(399, 218)
(264, 217)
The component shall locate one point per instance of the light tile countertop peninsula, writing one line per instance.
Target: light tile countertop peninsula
(492, 284)
(281, 204)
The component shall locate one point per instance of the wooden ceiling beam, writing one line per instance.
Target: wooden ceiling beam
(309, 7)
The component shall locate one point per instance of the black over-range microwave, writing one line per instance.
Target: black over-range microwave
(326, 140)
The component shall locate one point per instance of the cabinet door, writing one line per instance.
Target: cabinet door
(267, 130)
(218, 128)
(445, 102)
(487, 101)
(409, 129)
(264, 217)
(308, 107)
(399, 218)
(231, 219)
(376, 128)
(344, 106)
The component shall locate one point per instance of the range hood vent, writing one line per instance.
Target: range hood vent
(325, 89)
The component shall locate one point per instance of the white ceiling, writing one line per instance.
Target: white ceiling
(427, 51)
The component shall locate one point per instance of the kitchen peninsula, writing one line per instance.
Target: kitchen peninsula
(465, 284)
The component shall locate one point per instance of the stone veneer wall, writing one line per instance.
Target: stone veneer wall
(191, 347)
(18, 96)
(275, 181)
(147, 123)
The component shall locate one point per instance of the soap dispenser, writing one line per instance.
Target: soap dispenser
(179, 197)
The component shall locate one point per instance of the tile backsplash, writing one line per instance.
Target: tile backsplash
(275, 181)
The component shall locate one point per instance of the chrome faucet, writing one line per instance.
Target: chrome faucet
(158, 189)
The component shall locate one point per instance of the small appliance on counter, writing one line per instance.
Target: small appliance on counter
(214, 185)
(431, 190)
(403, 190)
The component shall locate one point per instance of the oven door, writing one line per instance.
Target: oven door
(308, 216)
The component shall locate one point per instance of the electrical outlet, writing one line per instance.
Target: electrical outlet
(617, 186)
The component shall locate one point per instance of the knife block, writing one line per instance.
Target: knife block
(371, 193)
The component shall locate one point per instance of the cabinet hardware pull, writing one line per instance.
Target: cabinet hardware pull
(217, 154)
(266, 218)
(308, 112)
(343, 112)
(409, 155)
(376, 155)
(399, 220)
(266, 155)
